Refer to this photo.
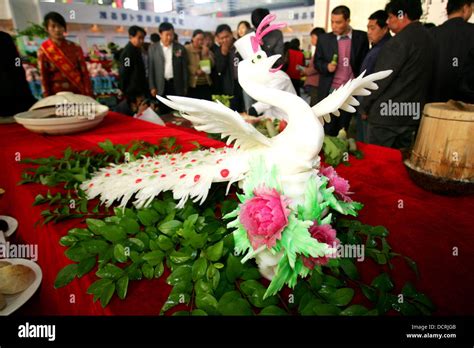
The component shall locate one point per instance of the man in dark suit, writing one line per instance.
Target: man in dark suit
(273, 41)
(395, 109)
(132, 79)
(15, 93)
(224, 70)
(168, 66)
(378, 34)
(454, 40)
(338, 58)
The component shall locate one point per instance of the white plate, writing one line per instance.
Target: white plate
(17, 300)
(60, 125)
(12, 225)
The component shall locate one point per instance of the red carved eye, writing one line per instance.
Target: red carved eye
(196, 178)
(224, 173)
(156, 171)
(193, 160)
(91, 184)
(138, 181)
(107, 175)
(182, 176)
(156, 163)
(163, 175)
(119, 171)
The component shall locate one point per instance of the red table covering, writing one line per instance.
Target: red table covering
(422, 225)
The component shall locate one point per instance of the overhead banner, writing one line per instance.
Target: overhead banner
(94, 14)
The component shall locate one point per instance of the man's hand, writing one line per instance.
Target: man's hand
(332, 67)
(154, 92)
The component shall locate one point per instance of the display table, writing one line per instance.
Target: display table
(426, 227)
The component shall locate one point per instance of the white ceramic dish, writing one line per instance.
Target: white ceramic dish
(16, 301)
(12, 224)
(63, 97)
(63, 113)
(61, 125)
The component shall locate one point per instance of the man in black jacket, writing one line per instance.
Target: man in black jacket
(338, 58)
(395, 109)
(454, 40)
(132, 79)
(378, 34)
(224, 70)
(15, 93)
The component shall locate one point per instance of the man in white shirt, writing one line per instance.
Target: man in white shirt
(168, 66)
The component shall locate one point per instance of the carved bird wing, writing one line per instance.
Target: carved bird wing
(343, 97)
(214, 117)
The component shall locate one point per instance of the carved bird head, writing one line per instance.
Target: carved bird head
(259, 67)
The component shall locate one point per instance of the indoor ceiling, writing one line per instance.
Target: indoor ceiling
(219, 8)
(228, 8)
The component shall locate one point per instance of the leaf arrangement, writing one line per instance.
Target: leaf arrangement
(206, 275)
(68, 172)
(337, 149)
(223, 99)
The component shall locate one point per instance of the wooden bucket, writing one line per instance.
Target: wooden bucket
(444, 146)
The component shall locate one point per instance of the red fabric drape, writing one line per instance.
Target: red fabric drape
(422, 225)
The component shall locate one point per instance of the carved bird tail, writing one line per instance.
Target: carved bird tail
(188, 175)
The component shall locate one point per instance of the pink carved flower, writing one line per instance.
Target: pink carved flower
(324, 234)
(341, 186)
(264, 217)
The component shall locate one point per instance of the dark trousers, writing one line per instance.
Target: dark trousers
(337, 123)
(237, 102)
(200, 92)
(297, 84)
(361, 128)
(397, 137)
(313, 93)
(169, 90)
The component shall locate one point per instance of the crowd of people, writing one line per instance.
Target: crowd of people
(203, 67)
(429, 64)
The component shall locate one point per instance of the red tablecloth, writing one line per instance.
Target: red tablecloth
(426, 228)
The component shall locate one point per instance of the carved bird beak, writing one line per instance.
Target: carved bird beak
(270, 61)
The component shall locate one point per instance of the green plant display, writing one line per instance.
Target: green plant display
(206, 274)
